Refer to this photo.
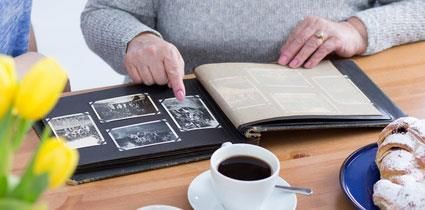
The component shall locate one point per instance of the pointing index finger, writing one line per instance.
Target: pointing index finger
(175, 72)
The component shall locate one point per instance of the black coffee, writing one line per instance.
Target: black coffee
(245, 168)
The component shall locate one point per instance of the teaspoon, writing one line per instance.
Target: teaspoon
(300, 190)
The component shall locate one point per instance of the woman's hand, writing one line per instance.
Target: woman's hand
(314, 38)
(151, 60)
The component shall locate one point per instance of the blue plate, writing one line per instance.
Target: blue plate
(358, 175)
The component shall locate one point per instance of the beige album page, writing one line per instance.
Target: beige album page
(249, 92)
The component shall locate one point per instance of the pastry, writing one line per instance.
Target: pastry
(389, 195)
(396, 141)
(397, 126)
(418, 129)
(397, 163)
(420, 156)
(401, 162)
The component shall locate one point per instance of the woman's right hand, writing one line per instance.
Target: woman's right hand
(151, 60)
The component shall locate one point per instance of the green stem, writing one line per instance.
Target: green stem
(23, 126)
(5, 124)
(5, 165)
(6, 131)
(5, 158)
(14, 204)
(31, 186)
(46, 133)
(6, 128)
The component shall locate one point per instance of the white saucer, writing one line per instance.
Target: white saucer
(201, 196)
(159, 207)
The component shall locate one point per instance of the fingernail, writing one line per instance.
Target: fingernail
(283, 60)
(180, 95)
(308, 64)
(293, 63)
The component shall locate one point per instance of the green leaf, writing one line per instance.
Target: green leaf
(23, 126)
(5, 159)
(31, 187)
(39, 206)
(6, 129)
(5, 124)
(13, 204)
(3, 186)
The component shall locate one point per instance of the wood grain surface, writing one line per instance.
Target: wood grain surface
(308, 158)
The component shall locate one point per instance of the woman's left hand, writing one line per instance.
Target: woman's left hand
(315, 37)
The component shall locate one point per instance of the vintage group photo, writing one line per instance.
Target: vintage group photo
(143, 135)
(191, 114)
(124, 107)
(78, 130)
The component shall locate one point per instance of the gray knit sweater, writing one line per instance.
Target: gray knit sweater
(207, 31)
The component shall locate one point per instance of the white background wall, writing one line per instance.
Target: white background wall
(57, 27)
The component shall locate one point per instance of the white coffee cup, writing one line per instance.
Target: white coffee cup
(238, 194)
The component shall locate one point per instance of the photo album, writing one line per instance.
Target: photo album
(131, 128)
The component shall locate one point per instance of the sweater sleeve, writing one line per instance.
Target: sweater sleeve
(108, 26)
(391, 24)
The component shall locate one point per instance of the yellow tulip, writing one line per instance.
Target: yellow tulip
(40, 89)
(7, 83)
(57, 159)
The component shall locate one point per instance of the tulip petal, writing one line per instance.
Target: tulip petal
(56, 159)
(9, 65)
(40, 89)
(7, 83)
(65, 169)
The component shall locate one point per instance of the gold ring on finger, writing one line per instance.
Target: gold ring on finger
(320, 35)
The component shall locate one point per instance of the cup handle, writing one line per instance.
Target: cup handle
(225, 144)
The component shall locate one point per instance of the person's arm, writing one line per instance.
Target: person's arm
(108, 26)
(32, 43)
(392, 24)
(121, 32)
(367, 32)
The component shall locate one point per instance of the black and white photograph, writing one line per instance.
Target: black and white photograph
(124, 107)
(191, 114)
(143, 135)
(78, 129)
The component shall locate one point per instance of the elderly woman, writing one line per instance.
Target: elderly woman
(152, 40)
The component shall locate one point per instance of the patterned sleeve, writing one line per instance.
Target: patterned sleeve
(393, 23)
(108, 26)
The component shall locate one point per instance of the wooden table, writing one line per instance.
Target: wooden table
(308, 158)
